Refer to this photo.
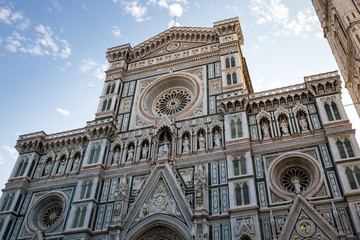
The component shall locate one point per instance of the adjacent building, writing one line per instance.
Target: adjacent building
(181, 147)
(340, 21)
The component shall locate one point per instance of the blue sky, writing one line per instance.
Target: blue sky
(52, 53)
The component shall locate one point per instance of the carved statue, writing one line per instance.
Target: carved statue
(130, 157)
(186, 145)
(217, 139)
(164, 148)
(200, 182)
(47, 169)
(296, 183)
(201, 142)
(284, 127)
(38, 235)
(303, 123)
(266, 130)
(61, 167)
(120, 195)
(116, 157)
(145, 151)
(76, 164)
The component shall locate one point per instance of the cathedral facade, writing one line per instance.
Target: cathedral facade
(340, 21)
(183, 148)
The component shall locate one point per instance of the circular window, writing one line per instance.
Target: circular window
(172, 101)
(51, 215)
(177, 93)
(295, 177)
(47, 212)
(295, 173)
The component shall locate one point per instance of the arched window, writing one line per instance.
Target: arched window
(349, 148)
(104, 105)
(24, 167)
(113, 88)
(234, 78)
(108, 89)
(19, 168)
(109, 104)
(246, 194)
(233, 129)
(239, 128)
(335, 110)
(97, 154)
(92, 155)
(341, 149)
(228, 78)
(76, 219)
(357, 175)
(83, 189)
(6, 200)
(350, 178)
(82, 218)
(238, 195)
(236, 166)
(232, 61)
(328, 112)
(243, 165)
(88, 189)
(227, 62)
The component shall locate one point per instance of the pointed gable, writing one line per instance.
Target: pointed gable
(304, 222)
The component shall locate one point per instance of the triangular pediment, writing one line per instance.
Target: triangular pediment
(305, 222)
(160, 195)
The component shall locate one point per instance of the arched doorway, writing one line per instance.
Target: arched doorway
(159, 233)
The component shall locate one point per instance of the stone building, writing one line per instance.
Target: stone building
(340, 21)
(182, 148)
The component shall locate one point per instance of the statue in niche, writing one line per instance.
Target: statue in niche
(76, 163)
(164, 148)
(265, 129)
(217, 139)
(303, 123)
(284, 127)
(200, 182)
(130, 157)
(47, 168)
(201, 141)
(186, 145)
(61, 166)
(116, 156)
(120, 195)
(296, 183)
(144, 151)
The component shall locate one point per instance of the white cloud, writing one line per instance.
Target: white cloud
(88, 65)
(91, 84)
(276, 13)
(11, 151)
(134, 8)
(63, 111)
(56, 4)
(46, 43)
(116, 32)
(172, 22)
(65, 66)
(84, 7)
(175, 10)
(5, 15)
(263, 38)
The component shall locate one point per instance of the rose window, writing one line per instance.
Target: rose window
(51, 215)
(293, 176)
(172, 102)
